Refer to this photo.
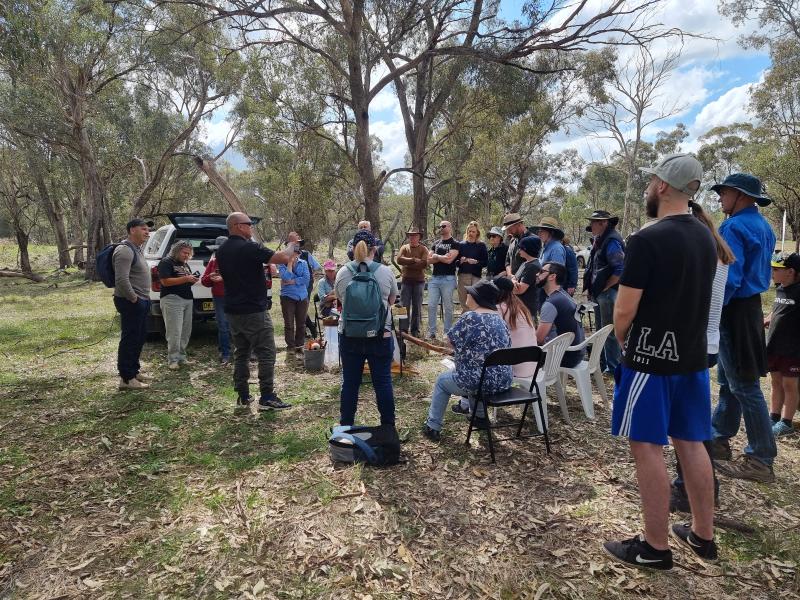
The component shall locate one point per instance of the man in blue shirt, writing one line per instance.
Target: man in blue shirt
(551, 234)
(742, 345)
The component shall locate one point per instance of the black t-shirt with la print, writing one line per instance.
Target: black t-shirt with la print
(673, 262)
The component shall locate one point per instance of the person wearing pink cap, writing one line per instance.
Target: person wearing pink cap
(327, 296)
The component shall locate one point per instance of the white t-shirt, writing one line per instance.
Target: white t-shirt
(386, 281)
(715, 309)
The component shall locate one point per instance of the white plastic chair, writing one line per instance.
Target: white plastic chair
(582, 373)
(549, 375)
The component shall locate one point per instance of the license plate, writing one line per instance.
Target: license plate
(208, 306)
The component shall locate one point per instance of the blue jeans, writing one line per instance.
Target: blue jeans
(440, 288)
(741, 397)
(377, 352)
(223, 329)
(604, 315)
(445, 387)
(133, 325)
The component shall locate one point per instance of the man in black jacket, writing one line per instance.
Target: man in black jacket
(601, 279)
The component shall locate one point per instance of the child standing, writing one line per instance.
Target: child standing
(783, 343)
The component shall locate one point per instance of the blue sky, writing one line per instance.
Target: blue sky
(712, 81)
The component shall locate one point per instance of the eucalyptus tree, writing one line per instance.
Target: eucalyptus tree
(367, 46)
(634, 99)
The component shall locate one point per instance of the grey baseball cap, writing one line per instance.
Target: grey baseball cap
(678, 170)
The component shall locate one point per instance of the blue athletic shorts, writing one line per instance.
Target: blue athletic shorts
(648, 408)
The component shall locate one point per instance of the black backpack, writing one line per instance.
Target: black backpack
(377, 446)
(104, 263)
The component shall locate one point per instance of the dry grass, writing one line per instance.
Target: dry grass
(169, 494)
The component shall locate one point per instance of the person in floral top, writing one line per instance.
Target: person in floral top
(477, 334)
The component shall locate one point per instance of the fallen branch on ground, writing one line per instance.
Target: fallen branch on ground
(27, 275)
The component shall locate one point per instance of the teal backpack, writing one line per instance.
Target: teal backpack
(363, 313)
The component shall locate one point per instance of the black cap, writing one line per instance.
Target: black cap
(531, 245)
(485, 293)
(137, 222)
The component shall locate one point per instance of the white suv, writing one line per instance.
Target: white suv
(201, 230)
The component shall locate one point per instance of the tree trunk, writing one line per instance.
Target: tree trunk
(98, 232)
(209, 167)
(55, 215)
(77, 224)
(625, 227)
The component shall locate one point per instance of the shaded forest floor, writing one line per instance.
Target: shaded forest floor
(168, 493)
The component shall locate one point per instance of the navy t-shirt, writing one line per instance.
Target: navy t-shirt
(476, 250)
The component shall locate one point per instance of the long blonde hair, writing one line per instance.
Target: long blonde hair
(477, 228)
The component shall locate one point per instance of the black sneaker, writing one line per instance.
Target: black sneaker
(703, 549)
(242, 403)
(272, 403)
(459, 410)
(638, 553)
(432, 434)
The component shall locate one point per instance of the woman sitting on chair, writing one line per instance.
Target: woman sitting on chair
(519, 321)
(478, 333)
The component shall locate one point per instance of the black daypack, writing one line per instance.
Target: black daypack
(104, 263)
(377, 446)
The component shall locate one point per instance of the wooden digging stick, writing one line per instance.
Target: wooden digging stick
(426, 345)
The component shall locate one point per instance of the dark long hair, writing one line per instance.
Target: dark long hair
(514, 307)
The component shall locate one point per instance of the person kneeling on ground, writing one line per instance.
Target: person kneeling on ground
(475, 335)
(783, 344)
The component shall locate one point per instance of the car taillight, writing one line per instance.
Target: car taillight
(155, 280)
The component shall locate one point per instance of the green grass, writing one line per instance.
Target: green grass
(173, 476)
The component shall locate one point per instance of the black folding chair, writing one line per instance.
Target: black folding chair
(514, 395)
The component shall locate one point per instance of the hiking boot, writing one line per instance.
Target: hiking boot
(143, 378)
(173, 366)
(460, 410)
(242, 404)
(272, 403)
(721, 449)
(704, 549)
(638, 553)
(187, 361)
(432, 434)
(678, 500)
(132, 384)
(747, 467)
(780, 428)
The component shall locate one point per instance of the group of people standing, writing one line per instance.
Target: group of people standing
(682, 296)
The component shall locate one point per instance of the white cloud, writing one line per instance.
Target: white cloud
(729, 108)
(392, 135)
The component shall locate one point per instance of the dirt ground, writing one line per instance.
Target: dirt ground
(169, 494)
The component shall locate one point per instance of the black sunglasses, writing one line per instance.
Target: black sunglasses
(245, 223)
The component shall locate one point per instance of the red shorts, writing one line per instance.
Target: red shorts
(786, 366)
